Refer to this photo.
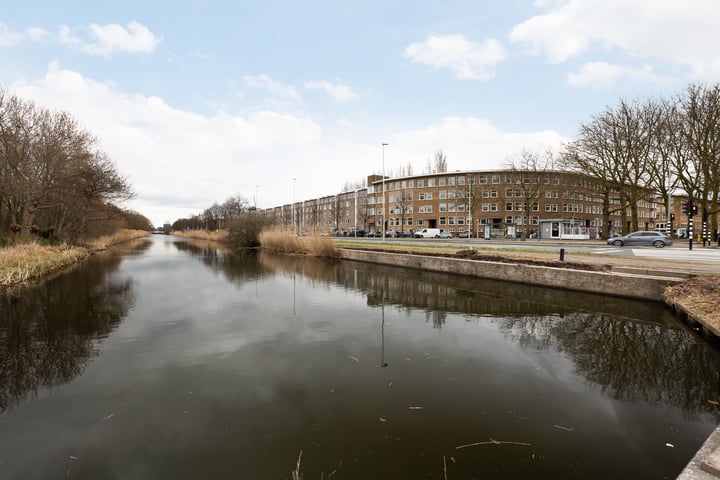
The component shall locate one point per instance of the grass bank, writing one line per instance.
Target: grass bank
(120, 236)
(26, 262)
(22, 263)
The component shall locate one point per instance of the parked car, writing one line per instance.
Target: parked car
(356, 233)
(427, 233)
(465, 234)
(656, 239)
(407, 233)
(444, 235)
(392, 234)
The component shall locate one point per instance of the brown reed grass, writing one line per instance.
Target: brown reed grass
(25, 262)
(285, 242)
(215, 235)
(122, 235)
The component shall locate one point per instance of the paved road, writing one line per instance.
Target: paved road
(679, 251)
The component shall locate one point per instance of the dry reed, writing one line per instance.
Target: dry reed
(120, 236)
(215, 235)
(285, 242)
(26, 262)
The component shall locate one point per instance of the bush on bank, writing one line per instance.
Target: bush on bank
(245, 228)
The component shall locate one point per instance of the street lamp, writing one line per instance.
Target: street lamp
(383, 190)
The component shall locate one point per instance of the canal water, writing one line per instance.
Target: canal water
(174, 360)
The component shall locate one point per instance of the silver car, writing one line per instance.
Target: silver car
(656, 239)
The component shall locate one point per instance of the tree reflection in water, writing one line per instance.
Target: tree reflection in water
(49, 332)
(650, 357)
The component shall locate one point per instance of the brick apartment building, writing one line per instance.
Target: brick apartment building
(502, 203)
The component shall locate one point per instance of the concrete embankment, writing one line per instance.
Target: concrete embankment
(622, 283)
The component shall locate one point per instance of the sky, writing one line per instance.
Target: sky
(280, 101)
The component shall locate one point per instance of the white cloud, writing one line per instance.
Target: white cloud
(338, 91)
(111, 38)
(264, 81)
(9, 38)
(180, 162)
(603, 75)
(470, 143)
(37, 34)
(466, 59)
(682, 33)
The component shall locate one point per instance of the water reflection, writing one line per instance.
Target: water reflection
(49, 332)
(227, 365)
(649, 357)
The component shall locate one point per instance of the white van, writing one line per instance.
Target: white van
(427, 233)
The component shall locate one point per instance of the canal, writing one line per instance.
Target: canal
(171, 359)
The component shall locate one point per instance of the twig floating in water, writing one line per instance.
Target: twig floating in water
(492, 442)
(334, 471)
(296, 472)
(567, 429)
(357, 360)
(444, 467)
(415, 408)
(106, 418)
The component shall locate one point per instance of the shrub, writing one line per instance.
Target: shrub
(245, 228)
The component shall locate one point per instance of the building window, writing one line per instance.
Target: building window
(431, 182)
(496, 179)
(428, 208)
(428, 196)
(482, 180)
(461, 181)
(485, 207)
(519, 207)
(493, 207)
(508, 192)
(451, 181)
(451, 220)
(421, 182)
(451, 207)
(443, 194)
(509, 219)
(419, 222)
(443, 221)
(443, 207)
(508, 206)
(441, 182)
(411, 183)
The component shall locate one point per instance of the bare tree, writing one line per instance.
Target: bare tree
(52, 174)
(528, 169)
(697, 145)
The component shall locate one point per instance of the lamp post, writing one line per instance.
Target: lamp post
(383, 190)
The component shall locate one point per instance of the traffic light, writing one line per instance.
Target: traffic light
(693, 209)
(686, 208)
(672, 217)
